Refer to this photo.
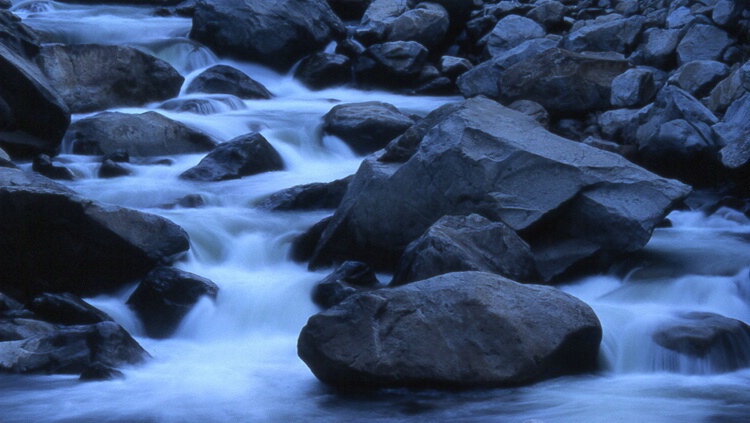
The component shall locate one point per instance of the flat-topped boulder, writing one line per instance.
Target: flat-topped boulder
(458, 330)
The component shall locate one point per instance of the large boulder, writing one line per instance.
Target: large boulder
(275, 33)
(699, 77)
(92, 77)
(366, 127)
(71, 350)
(223, 79)
(426, 24)
(634, 88)
(467, 243)
(457, 330)
(143, 135)
(165, 296)
(735, 133)
(33, 115)
(619, 35)
(394, 64)
(658, 48)
(565, 83)
(245, 155)
(567, 200)
(315, 196)
(377, 19)
(703, 42)
(55, 241)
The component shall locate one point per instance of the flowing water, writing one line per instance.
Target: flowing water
(235, 359)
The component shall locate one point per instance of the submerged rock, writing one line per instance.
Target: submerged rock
(165, 296)
(570, 202)
(457, 330)
(223, 79)
(143, 135)
(243, 156)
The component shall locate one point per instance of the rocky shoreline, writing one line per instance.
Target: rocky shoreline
(585, 123)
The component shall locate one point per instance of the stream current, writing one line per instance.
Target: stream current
(235, 359)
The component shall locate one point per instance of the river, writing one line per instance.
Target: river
(235, 359)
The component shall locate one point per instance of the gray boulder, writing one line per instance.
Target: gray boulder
(366, 127)
(510, 32)
(402, 148)
(377, 18)
(734, 131)
(275, 33)
(92, 77)
(467, 243)
(619, 125)
(143, 135)
(483, 78)
(620, 35)
(165, 296)
(426, 24)
(727, 13)
(658, 48)
(245, 155)
(71, 350)
(699, 77)
(726, 92)
(634, 88)
(532, 109)
(508, 169)
(458, 330)
(33, 115)
(548, 13)
(19, 328)
(563, 82)
(323, 70)
(56, 241)
(453, 67)
(393, 64)
(223, 79)
(703, 42)
(719, 342)
(675, 138)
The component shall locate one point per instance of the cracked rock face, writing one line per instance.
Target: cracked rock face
(455, 330)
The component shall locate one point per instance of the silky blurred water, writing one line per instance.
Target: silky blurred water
(235, 359)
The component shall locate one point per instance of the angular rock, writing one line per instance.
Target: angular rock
(453, 67)
(703, 42)
(43, 165)
(392, 64)
(71, 350)
(453, 331)
(559, 196)
(16, 36)
(426, 24)
(323, 70)
(532, 109)
(619, 125)
(165, 296)
(699, 77)
(245, 155)
(348, 279)
(467, 243)
(277, 33)
(33, 115)
(67, 309)
(719, 341)
(92, 77)
(377, 18)
(726, 13)
(510, 32)
(223, 79)
(735, 133)
(20, 328)
(563, 82)
(548, 13)
(402, 148)
(659, 48)
(56, 241)
(634, 88)
(483, 78)
(725, 93)
(366, 127)
(303, 245)
(143, 135)
(315, 196)
(674, 138)
(619, 35)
